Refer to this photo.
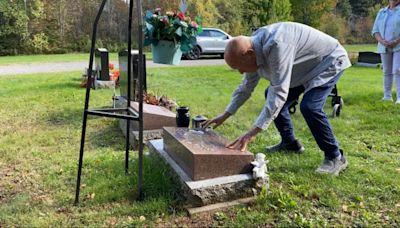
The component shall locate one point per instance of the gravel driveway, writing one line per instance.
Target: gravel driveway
(32, 68)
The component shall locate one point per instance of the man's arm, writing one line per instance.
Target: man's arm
(243, 92)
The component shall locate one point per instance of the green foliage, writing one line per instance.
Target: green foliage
(230, 19)
(261, 13)
(207, 10)
(361, 7)
(309, 12)
(343, 7)
(39, 43)
(339, 29)
(13, 27)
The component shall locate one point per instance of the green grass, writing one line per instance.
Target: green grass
(71, 57)
(360, 47)
(40, 129)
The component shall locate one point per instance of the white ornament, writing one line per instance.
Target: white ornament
(260, 166)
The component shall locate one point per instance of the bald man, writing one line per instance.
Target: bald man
(296, 59)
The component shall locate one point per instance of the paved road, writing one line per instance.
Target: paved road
(80, 66)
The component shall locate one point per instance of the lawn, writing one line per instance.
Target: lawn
(73, 57)
(40, 129)
(70, 57)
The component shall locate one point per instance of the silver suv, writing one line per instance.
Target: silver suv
(210, 41)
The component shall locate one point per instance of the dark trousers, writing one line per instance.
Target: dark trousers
(311, 107)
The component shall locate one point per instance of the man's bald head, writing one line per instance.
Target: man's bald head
(239, 54)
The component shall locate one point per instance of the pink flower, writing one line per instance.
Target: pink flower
(165, 20)
(194, 24)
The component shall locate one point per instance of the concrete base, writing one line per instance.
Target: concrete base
(209, 191)
(134, 135)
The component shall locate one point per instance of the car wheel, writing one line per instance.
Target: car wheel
(194, 53)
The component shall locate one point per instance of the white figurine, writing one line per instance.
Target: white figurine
(260, 166)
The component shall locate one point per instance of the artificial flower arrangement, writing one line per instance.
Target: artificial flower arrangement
(114, 73)
(163, 100)
(173, 26)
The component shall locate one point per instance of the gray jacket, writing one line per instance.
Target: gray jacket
(289, 55)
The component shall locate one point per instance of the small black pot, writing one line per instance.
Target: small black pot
(182, 116)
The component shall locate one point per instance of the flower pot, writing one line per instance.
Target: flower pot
(166, 52)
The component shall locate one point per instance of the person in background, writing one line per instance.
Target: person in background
(386, 31)
(296, 59)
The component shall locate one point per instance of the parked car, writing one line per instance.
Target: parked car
(209, 41)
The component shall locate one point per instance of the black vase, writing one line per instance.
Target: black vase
(182, 116)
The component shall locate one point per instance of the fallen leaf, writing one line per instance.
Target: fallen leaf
(91, 195)
(113, 221)
(345, 208)
(398, 205)
(398, 170)
(142, 218)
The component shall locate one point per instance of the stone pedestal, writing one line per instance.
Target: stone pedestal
(211, 191)
(203, 155)
(154, 119)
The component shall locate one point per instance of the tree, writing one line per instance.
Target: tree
(13, 26)
(231, 16)
(207, 10)
(309, 12)
(361, 7)
(259, 13)
(343, 8)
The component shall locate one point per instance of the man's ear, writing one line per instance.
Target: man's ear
(249, 51)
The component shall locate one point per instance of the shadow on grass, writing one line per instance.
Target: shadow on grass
(105, 181)
(64, 117)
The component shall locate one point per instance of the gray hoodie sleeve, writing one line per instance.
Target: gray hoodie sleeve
(280, 61)
(243, 92)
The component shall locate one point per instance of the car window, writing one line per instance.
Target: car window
(217, 34)
(205, 33)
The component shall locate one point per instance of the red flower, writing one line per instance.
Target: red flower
(111, 66)
(181, 16)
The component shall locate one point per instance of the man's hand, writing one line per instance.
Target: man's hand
(241, 142)
(217, 120)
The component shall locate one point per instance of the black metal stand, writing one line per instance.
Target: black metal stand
(120, 113)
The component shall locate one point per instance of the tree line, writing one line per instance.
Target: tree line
(61, 26)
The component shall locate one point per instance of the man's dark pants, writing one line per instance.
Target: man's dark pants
(311, 107)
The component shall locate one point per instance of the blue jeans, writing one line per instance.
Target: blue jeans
(311, 107)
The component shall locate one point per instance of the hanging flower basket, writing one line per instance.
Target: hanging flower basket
(170, 35)
(166, 52)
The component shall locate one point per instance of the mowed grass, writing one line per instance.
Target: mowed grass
(75, 57)
(360, 47)
(40, 127)
(70, 57)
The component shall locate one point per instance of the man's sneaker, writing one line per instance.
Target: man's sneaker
(295, 147)
(387, 99)
(333, 166)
